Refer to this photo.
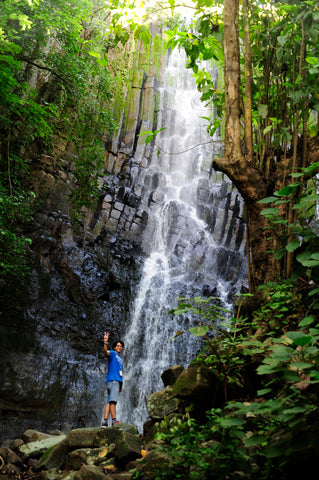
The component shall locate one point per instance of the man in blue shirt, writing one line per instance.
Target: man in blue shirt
(114, 378)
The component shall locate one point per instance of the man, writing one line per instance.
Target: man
(114, 378)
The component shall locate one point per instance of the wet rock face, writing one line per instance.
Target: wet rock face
(84, 280)
(52, 336)
(82, 284)
(53, 368)
(51, 353)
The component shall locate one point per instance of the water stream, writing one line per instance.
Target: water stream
(194, 241)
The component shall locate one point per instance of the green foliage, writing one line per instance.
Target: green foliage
(300, 237)
(66, 45)
(151, 135)
(208, 312)
(283, 306)
(270, 360)
(13, 210)
(275, 428)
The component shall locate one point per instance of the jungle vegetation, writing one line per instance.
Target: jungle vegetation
(267, 105)
(268, 111)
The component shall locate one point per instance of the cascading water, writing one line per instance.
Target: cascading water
(194, 241)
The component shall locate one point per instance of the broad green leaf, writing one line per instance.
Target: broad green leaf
(302, 341)
(291, 376)
(185, 305)
(232, 422)
(296, 174)
(288, 190)
(266, 369)
(267, 129)
(294, 335)
(312, 60)
(180, 311)
(292, 246)
(299, 338)
(264, 391)
(311, 263)
(198, 331)
(314, 292)
(269, 211)
(304, 256)
(302, 365)
(306, 321)
(280, 253)
(148, 132)
(254, 440)
(273, 451)
(148, 139)
(103, 62)
(294, 410)
(268, 200)
(94, 54)
(282, 40)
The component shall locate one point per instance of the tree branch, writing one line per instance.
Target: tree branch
(42, 67)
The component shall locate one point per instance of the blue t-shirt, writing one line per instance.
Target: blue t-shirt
(115, 367)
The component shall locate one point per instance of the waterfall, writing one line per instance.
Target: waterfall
(193, 240)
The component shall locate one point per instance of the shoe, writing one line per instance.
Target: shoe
(105, 423)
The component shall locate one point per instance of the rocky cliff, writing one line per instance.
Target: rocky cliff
(84, 278)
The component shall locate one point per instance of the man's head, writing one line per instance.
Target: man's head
(118, 346)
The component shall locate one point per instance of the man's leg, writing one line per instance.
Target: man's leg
(110, 408)
(113, 412)
(106, 415)
(106, 411)
(107, 407)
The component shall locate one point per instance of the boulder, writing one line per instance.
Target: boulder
(127, 448)
(10, 469)
(16, 443)
(170, 375)
(126, 427)
(89, 456)
(76, 459)
(198, 384)
(37, 448)
(90, 472)
(148, 431)
(122, 476)
(54, 457)
(33, 436)
(146, 469)
(10, 457)
(92, 437)
(160, 404)
(103, 456)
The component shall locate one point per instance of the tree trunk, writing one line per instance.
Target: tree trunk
(233, 150)
(249, 152)
(239, 167)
